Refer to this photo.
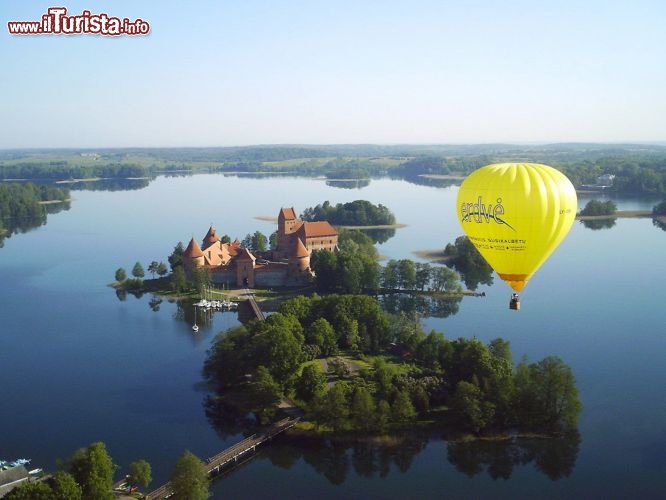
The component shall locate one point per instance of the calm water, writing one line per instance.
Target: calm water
(78, 365)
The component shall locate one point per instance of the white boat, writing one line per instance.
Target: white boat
(195, 328)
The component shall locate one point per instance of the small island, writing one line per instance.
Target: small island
(352, 368)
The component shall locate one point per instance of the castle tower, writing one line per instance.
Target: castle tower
(287, 225)
(211, 238)
(300, 257)
(245, 268)
(193, 256)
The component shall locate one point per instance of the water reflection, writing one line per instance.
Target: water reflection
(555, 457)
(110, 184)
(659, 223)
(597, 224)
(349, 184)
(20, 225)
(336, 459)
(424, 305)
(379, 235)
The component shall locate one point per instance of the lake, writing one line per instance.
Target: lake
(78, 365)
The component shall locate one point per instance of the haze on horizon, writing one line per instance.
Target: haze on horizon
(312, 72)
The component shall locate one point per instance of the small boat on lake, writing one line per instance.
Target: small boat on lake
(195, 327)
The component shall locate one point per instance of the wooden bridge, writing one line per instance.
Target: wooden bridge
(249, 309)
(231, 455)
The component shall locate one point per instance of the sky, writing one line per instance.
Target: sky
(243, 72)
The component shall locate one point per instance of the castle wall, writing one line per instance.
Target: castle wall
(275, 275)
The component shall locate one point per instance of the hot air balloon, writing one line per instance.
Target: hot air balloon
(516, 214)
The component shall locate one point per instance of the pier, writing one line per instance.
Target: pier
(231, 455)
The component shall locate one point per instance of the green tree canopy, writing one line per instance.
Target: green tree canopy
(137, 270)
(140, 473)
(189, 479)
(121, 275)
(93, 470)
(311, 383)
(596, 207)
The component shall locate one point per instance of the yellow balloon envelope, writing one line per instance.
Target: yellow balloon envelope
(516, 214)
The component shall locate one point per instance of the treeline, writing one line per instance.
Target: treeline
(464, 384)
(62, 169)
(22, 207)
(354, 213)
(18, 200)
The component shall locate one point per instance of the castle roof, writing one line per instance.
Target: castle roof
(211, 237)
(316, 229)
(300, 250)
(245, 254)
(193, 249)
(287, 214)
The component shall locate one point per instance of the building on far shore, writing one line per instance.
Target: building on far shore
(288, 264)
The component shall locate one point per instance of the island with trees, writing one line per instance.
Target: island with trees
(354, 368)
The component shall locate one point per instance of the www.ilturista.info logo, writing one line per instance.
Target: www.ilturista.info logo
(480, 212)
(56, 22)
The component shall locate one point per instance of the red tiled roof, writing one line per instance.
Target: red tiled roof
(245, 254)
(193, 249)
(300, 250)
(211, 237)
(287, 213)
(316, 229)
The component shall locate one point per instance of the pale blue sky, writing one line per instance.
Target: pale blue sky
(223, 73)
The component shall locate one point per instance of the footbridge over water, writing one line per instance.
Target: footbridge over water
(249, 309)
(231, 455)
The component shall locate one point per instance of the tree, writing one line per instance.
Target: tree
(140, 473)
(176, 257)
(273, 240)
(423, 273)
(402, 410)
(137, 271)
(162, 269)
(321, 333)
(363, 409)
(30, 491)
(277, 344)
(470, 408)
(383, 416)
(121, 275)
(259, 242)
(557, 396)
(265, 393)
(152, 268)
(407, 273)
(64, 487)
(189, 479)
(311, 383)
(93, 469)
(336, 406)
(178, 279)
(390, 274)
